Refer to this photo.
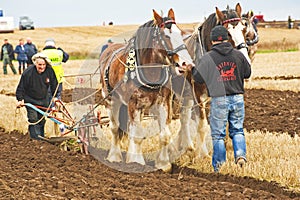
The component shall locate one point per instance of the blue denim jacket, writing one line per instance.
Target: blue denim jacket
(21, 53)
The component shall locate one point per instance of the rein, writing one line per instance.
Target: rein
(93, 109)
(174, 51)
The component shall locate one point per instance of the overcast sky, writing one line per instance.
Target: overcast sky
(56, 13)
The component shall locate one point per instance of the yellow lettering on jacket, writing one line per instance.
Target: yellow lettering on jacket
(56, 57)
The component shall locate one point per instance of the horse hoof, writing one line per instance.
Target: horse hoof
(135, 158)
(203, 157)
(190, 149)
(166, 168)
(114, 157)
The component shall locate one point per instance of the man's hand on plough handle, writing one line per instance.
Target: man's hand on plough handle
(56, 104)
(20, 104)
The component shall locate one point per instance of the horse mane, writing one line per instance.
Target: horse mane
(190, 43)
(205, 28)
(143, 42)
(211, 22)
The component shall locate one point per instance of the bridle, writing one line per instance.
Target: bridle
(136, 73)
(251, 42)
(167, 23)
(237, 19)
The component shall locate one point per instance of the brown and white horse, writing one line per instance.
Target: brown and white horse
(136, 78)
(194, 96)
(251, 34)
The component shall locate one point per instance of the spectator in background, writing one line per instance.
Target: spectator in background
(21, 55)
(290, 22)
(33, 88)
(109, 42)
(7, 56)
(30, 50)
(57, 57)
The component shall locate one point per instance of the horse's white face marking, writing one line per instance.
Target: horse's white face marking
(249, 27)
(238, 28)
(237, 32)
(177, 40)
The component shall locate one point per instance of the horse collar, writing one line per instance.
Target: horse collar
(134, 72)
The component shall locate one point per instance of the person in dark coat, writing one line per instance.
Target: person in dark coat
(223, 70)
(30, 50)
(33, 88)
(7, 56)
(109, 42)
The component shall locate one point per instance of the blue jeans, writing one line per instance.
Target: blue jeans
(227, 109)
(22, 64)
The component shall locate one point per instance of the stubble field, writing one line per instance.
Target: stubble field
(38, 170)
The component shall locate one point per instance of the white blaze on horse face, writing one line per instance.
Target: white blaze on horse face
(251, 33)
(177, 40)
(238, 37)
(249, 27)
(236, 33)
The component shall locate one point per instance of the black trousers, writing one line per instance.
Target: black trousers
(38, 129)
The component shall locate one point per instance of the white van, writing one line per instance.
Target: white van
(6, 24)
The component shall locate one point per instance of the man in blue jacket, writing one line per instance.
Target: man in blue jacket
(22, 57)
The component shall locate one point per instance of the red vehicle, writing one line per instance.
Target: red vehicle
(259, 18)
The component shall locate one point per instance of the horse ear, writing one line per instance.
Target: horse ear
(171, 14)
(250, 14)
(157, 18)
(238, 9)
(219, 15)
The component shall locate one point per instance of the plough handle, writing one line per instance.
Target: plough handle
(43, 113)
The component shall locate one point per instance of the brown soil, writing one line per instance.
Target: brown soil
(273, 111)
(39, 170)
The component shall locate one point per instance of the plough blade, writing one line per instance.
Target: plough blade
(57, 140)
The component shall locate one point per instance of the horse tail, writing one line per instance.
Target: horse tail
(123, 120)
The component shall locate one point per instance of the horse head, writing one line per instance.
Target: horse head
(162, 41)
(227, 18)
(232, 18)
(251, 33)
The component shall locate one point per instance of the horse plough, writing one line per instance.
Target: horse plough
(69, 133)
